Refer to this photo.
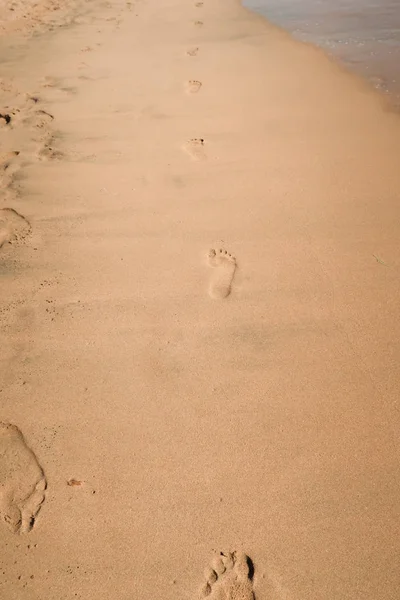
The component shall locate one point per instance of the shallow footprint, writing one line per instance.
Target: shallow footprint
(22, 481)
(192, 51)
(57, 84)
(193, 86)
(195, 148)
(224, 265)
(229, 578)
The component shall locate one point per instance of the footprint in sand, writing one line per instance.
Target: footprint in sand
(22, 481)
(193, 86)
(195, 148)
(224, 265)
(57, 84)
(38, 119)
(48, 152)
(8, 159)
(229, 578)
(192, 51)
(199, 23)
(13, 226)
(199, 4)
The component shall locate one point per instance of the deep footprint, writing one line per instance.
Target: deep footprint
(224, 265)
(13, 226)
(22, 481)
(229, 578)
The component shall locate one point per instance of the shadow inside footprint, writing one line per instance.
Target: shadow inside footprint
(195, 148)
(13, 226)
(224, 265)
(22, 481)
(230, 576)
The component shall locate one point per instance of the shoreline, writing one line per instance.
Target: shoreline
(388, 100)
(200, 326)
(369, 51)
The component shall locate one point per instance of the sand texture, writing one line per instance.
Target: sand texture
(199, 311)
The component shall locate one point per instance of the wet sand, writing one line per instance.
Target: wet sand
(364, 35)
(199, 313)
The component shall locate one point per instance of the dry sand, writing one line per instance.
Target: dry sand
(179, 401)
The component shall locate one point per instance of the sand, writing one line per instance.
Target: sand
(200, 330)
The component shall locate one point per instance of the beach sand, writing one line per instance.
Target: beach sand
(200, 329)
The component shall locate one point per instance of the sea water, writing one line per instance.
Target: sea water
(363, 34)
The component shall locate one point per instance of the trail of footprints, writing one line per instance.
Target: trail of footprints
(195, 146)
(22, 481)
(222, 262)
(21, 113)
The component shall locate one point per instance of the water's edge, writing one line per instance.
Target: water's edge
(363, 35)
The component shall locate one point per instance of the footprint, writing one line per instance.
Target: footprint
(49, 81)
(199, 23)
(13, 226)
(57, 84)
(32, 98)
(193, 86)
(22, 481)
(199, 4)
(229, 578)
(48, 152)
(39, 119)
(7, 159)
(224, 265)
(195, 148)
(192, 51)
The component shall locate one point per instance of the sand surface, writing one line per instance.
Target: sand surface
(200, 330)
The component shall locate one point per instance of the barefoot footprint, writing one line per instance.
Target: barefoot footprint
(229, 578)
(195, 148)
(13, 226)
(22, 481)
(193, 86)
(224, 265)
